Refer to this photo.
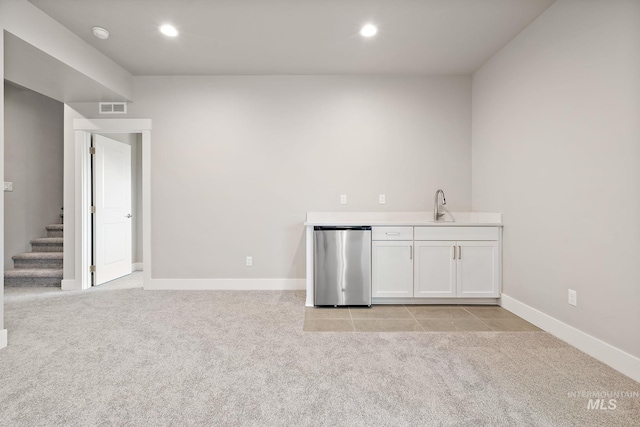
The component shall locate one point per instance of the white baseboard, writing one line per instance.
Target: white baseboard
(606, 353)
(137, 266)
(71, 285)
(3, 338)
(226, 284)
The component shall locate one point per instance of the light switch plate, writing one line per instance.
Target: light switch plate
(8, 186)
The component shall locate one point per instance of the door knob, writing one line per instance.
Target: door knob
(128, 216)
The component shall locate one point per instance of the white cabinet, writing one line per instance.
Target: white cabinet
(435, 269)
(457, 269)
(392, 269)
(436, 262)
(478, 269)
(392, 262)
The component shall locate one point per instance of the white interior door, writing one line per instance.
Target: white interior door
(112, 200)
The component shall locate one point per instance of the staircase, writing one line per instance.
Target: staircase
(42, 266)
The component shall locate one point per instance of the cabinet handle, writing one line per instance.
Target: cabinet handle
(459, 252)
(410, 251)
(392, 234)
(454, 252)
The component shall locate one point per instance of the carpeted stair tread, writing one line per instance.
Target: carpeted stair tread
(48, 241)
(33, 277)
(55, 230)
(39, 255)
(47, 244)
(46, 260)
(34, 273)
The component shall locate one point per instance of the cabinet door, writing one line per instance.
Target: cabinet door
(392, 269)
(478, 269)
(434, 269)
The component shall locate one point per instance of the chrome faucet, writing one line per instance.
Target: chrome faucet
(436, 206)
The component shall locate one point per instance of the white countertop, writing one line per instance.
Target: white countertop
(451, 219)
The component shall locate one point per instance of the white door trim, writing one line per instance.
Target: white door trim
(83, 129)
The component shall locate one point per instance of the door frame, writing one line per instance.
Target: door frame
(83, 128)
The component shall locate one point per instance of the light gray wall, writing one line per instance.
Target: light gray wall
(238, 161)
(556, 148)
(33, 162)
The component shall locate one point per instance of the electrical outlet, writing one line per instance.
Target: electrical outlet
(8, 186)
(573, 297)
(343, 199)
(249, 261)
(382, 199)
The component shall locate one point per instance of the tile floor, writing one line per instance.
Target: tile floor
(419, 318)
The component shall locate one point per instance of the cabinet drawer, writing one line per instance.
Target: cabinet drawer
(457, 233)
(392, 233)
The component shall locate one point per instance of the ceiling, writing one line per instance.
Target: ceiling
(298, 36)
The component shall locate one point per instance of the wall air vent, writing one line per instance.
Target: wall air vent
(113, 107)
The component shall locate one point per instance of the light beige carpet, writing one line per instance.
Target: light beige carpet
(124, 356)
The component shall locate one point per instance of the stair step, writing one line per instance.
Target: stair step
(55, 230)
(38, 260)
(33, 277)
(47, 244)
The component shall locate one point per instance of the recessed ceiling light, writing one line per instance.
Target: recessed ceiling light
(100, 33)
(368, 30)
(169, 30)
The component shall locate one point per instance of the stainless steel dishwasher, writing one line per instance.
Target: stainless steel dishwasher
(342, 266)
